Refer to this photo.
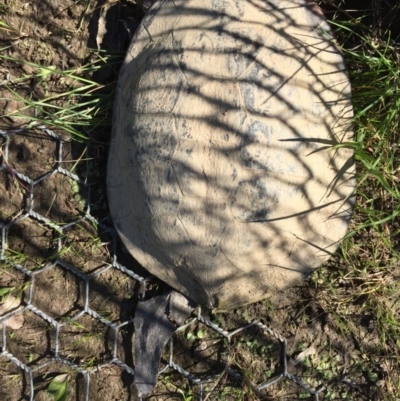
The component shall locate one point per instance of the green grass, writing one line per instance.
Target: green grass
(366, 283)
(71, 100)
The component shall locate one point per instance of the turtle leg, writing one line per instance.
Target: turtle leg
(155, 321)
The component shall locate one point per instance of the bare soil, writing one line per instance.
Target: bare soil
(59, 33)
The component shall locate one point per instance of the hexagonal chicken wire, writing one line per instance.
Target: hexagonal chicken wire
(46, 255)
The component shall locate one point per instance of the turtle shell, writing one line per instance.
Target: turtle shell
(224, 177)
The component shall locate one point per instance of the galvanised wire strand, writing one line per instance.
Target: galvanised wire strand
(28, 186)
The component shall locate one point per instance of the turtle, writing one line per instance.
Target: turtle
(228, 176)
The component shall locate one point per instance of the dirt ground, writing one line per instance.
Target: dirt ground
(59, 33)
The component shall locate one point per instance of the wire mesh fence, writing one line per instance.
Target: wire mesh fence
(68, 302)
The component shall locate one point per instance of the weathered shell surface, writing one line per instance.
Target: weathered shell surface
(223, 179)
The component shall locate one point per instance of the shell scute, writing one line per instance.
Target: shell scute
(157, 89)
(151, 140)
(222, 180)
